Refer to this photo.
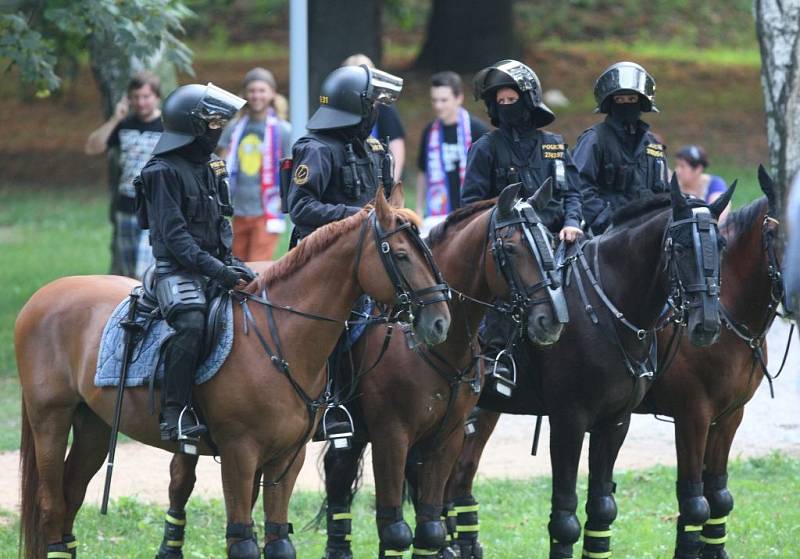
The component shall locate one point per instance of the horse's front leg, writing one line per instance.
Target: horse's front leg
(461, 506)
(715, 485)
(601, 509)
(430, 532)
(241, 457)
(566, 439)
(341, 473)
(691, 433)
(389, 452)
(181, 483)
(277, 527)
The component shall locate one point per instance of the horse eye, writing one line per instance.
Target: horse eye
(511, 249)
(402, 255)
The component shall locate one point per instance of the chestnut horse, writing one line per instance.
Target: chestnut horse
(600, 370)
(259, 414)
(419, 398)
(705, 389)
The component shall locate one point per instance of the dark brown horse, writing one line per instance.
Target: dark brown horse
(705, 389)
(258, 414)
(419, 399)
(600, 369)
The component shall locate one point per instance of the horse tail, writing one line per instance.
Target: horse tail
(31, 544)
(316, 522)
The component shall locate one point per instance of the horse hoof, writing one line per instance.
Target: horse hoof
(281, 548)
(715, 554)
(450, 553)
(338, 554)
(169, 554)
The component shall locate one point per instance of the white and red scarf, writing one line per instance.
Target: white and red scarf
(437, 199)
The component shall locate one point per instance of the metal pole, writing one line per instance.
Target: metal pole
(298, 66)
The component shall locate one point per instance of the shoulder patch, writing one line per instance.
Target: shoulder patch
(655, 150)
(218, 166)
(553, 151)
(374, 144)
(300, 175)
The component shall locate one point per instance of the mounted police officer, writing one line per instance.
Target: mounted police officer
(519, 151)
(337, 166)
(619, 159)
(186, 202)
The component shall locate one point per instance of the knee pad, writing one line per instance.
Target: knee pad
(564, 527)
(694, 509)
(430, 535)
(720, 500)
(282, 548)
(180, 292)
(393, 531)
(247, 545)
(601, 508)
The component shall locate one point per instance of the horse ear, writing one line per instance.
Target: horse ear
(718, 206)
(767, 184)
(397, 198)
(678, 199)
(383, 210)
(542, 197)
(508, 197)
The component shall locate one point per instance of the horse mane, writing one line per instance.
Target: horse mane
(318, 242)
(439, 232)
(640, 207)
(740, 221)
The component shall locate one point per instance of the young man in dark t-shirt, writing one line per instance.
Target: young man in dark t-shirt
(443, 149)
(135, 134)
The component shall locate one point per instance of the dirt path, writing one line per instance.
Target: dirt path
(769, 425)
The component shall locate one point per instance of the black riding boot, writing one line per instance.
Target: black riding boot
(497, 337)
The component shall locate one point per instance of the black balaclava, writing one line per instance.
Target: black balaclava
(626, 114)
(364, 128)
(208, 141)
(515, 115)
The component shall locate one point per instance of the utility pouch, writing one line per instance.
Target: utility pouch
(285, 179)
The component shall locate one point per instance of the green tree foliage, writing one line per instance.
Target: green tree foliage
(46, 37)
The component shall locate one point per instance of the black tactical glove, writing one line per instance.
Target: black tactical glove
(228, 277)
(250, 275)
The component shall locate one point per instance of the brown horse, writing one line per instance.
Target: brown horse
(258, 415)
(418, 400)
(705, 389)
(582, 383)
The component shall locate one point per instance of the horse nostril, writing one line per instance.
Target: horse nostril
(544, 323)
(439, 327)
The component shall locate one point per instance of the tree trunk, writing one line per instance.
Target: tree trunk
(337, 29)
(778, 30)
(467, 35)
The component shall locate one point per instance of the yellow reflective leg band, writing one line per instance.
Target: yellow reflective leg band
(72, 545)
(175, 521)
(466, 508)
(468, 528)
(692, 528)
(452, 513)
(393, 553)
(721, 520)
(598, 533)
(174, 543)
(714, 541)
(59, 555)
(423, 551)
(348, 537)
(342, 516)
(596, 554)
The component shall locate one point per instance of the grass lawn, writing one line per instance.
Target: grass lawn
(513, 517)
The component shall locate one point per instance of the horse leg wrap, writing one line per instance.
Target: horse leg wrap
(58, 551)
(340, 528)
(280, 546)
(449, 519)
(429, 535)
(394, 533)
(71, 543)
(694, 512)
(720, 501)
(246, 544)
(601, 511)
(172, 543)
(467, 527)
(564, 530)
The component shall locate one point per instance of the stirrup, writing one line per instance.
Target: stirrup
(503, 383)
(338, 430)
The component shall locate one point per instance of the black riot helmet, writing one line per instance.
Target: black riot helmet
(622, 77)
(348, 95)
(188, 111)
(516, 75)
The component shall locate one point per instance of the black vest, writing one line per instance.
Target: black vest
(547, 161)
(205, 204)
(625, 176)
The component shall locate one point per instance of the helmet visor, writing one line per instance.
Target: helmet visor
(384, 88)
(217, 105)
(524, 77)
(627, 78)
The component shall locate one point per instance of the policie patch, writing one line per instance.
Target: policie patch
(301, 175)
(553, 151)
(218, 166)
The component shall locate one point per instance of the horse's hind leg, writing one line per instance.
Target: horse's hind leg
(341, 472)
(89, 448)
(460, 504)
(601, 509)
(715, 485)
(277, 527)
(181, 483)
